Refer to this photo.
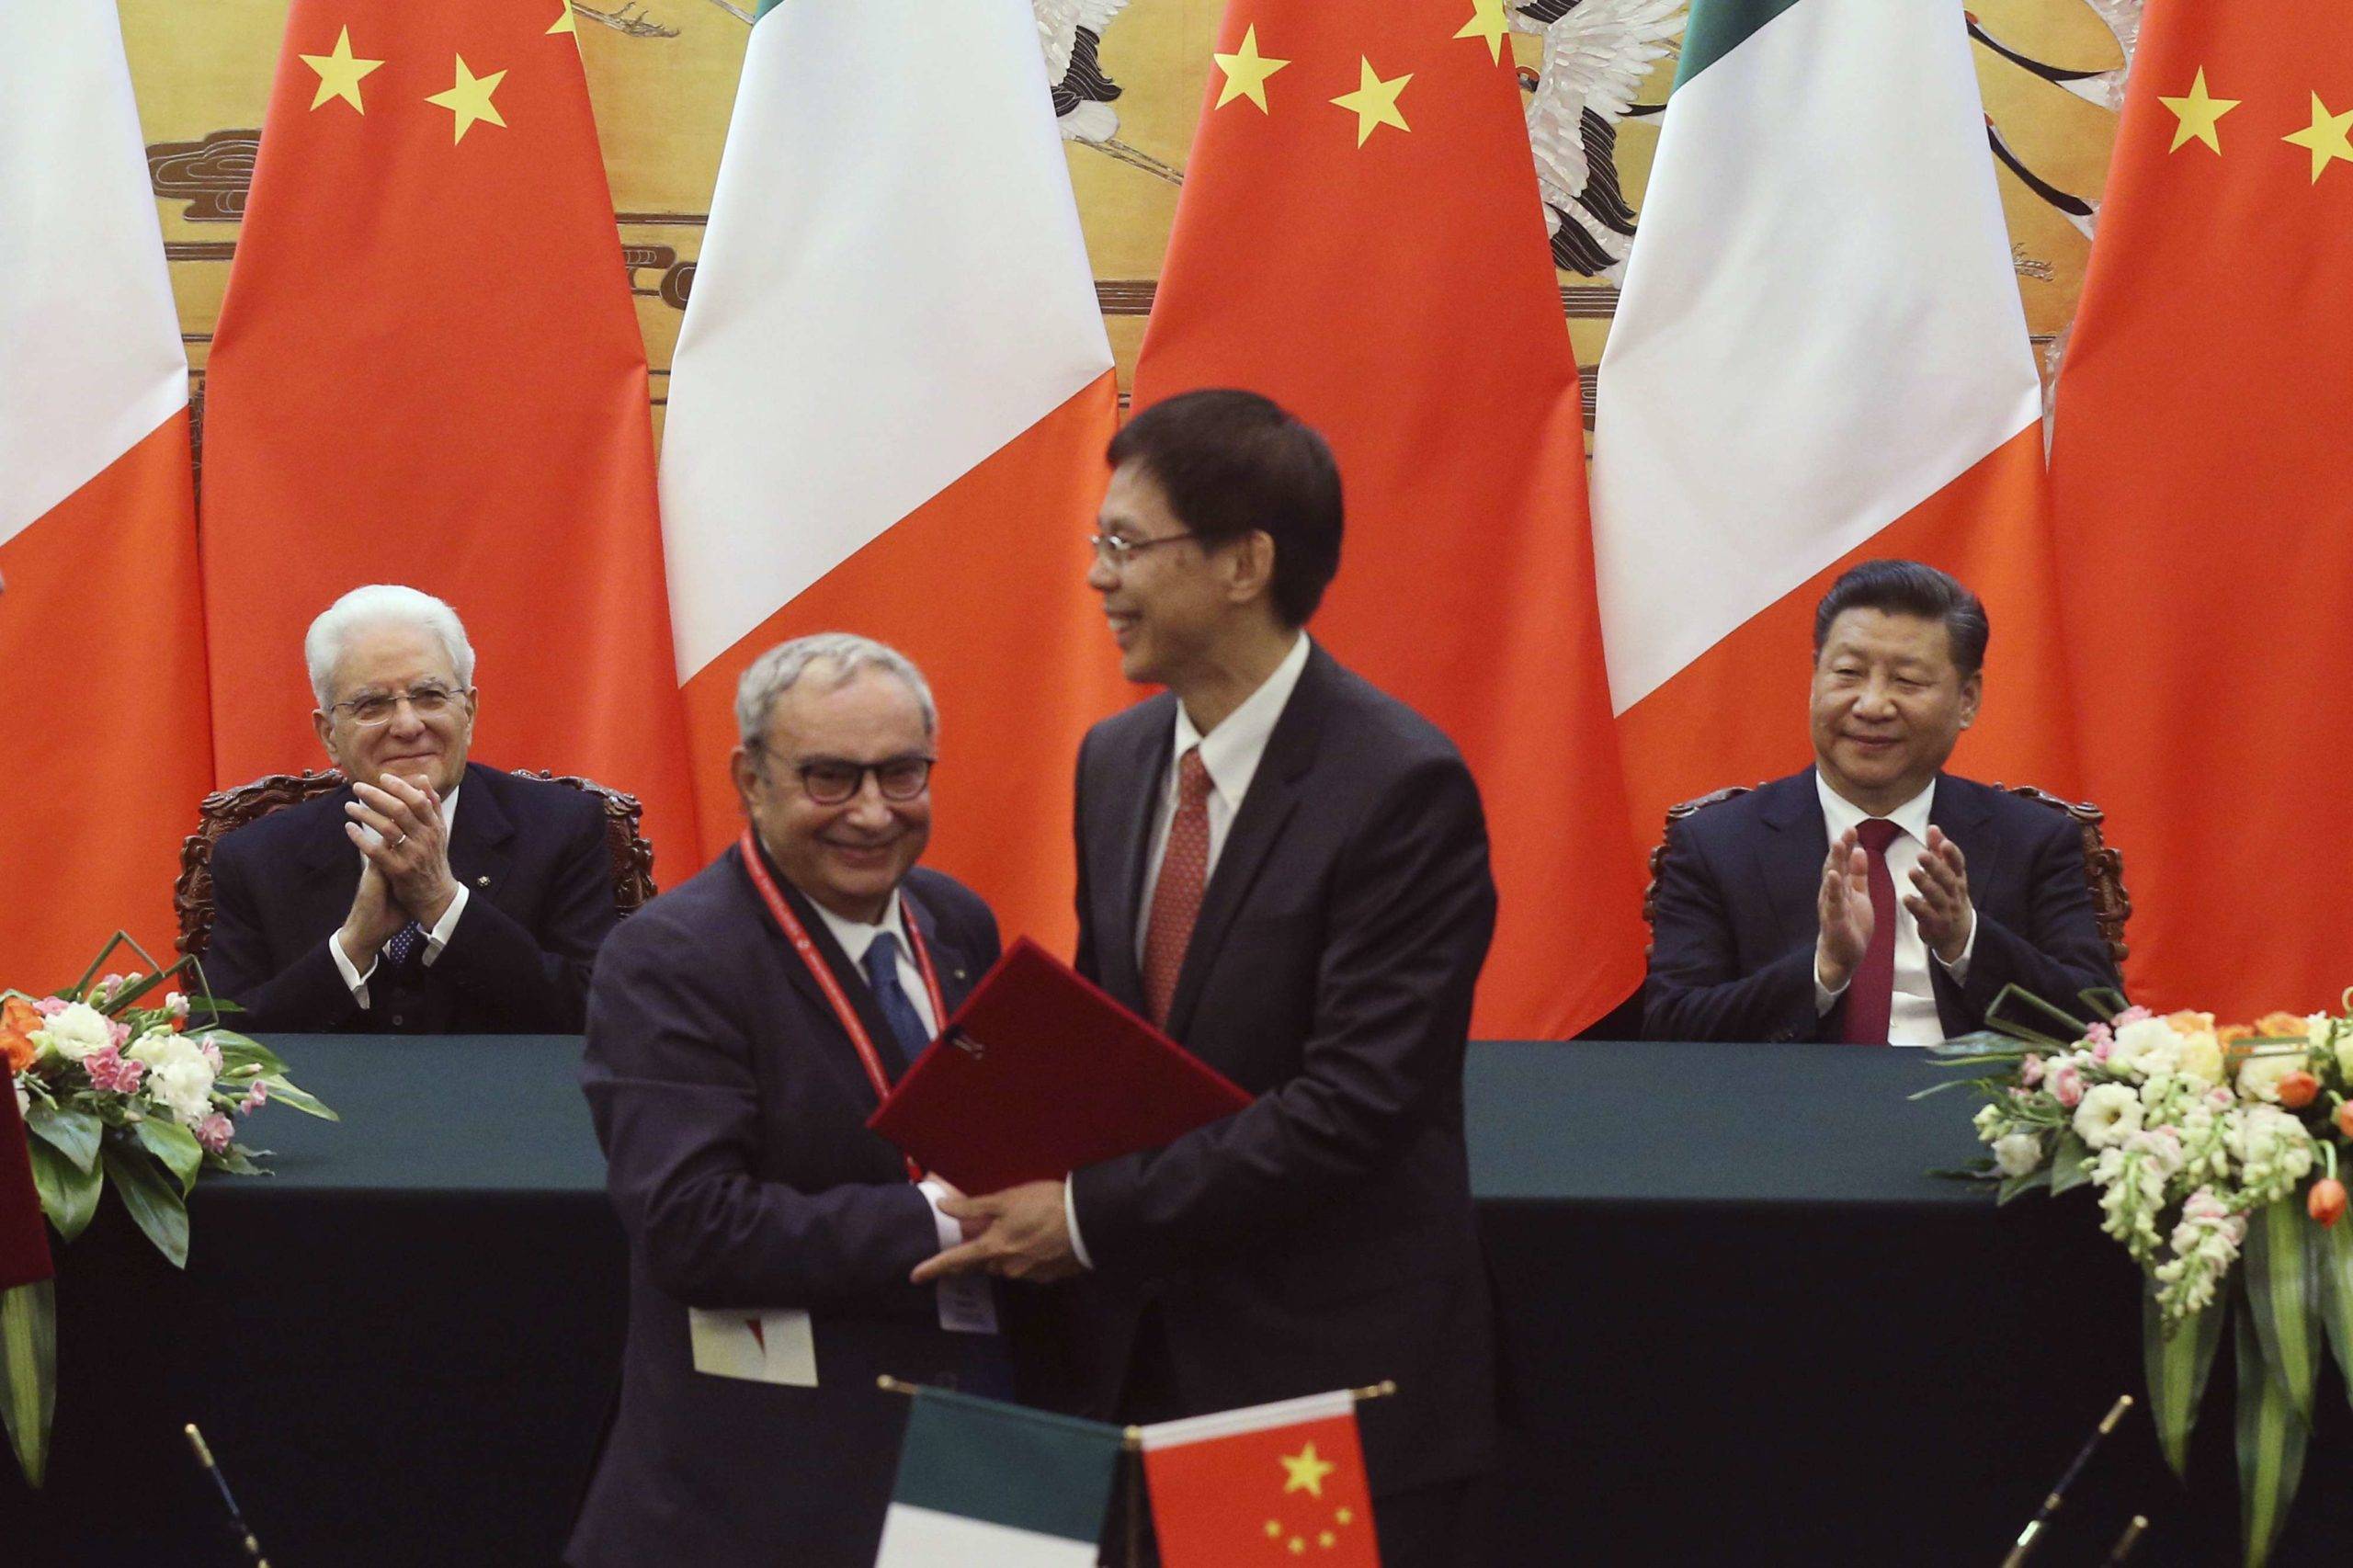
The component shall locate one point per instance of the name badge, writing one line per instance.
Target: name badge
(966, 1305)
(775, 1346)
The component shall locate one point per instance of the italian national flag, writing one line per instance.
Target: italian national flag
(1820, 356)
(986, 1484)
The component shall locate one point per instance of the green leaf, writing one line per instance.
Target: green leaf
(29, 1372)
(2331, 1259)
(2014, 1187)
(74, 1133)
(69, 1194)
(2176, 1365)
(2071, 1166)
(237, 1160)
(236, 1051)
(282, 1092)
(154, 1202)
(175, 1146)
(2271, 1438)
(2283, 1298)
(1998, 1077)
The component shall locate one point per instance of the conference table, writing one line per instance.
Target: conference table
(1740, 1324)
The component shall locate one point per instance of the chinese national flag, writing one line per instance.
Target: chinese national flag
(1275, 1482)
(2203, 478)
(428, 371)
(1361, 238)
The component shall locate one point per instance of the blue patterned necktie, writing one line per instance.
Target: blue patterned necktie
(881, 965)
(404, 943)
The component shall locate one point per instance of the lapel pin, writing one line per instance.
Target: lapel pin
(481, 881)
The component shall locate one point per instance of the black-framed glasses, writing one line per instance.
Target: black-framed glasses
(833, 780)
(1116, 553)
(426, 699)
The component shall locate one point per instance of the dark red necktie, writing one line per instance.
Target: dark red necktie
(1176, 896)
(1870, 994)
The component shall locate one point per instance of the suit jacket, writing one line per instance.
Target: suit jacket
(1733, 950)
(540, 902)
(1323, 1237)
(731, 1108)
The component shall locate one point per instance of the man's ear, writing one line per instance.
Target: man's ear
(1972, 692)
(324, 722)
(745, 770)
(1250, 569)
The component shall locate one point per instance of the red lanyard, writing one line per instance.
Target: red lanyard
(822, 973)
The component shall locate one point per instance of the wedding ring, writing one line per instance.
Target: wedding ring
(401, 840)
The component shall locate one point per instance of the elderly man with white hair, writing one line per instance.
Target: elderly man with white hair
(383, 908)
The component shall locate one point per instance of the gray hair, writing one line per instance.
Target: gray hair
(775, 671)
(377, 605)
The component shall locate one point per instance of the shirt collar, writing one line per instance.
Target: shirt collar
(1839, 814)
(856, 937)
(1232, 750)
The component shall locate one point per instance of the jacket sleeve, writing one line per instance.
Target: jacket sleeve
(307, 994)
(537, 982)
(1412, 907)
(1694, 989)
(670, 1079)
(2057, 951)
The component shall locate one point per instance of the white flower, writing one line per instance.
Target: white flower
(78, 1031)
(178, 1076)
(2018, 1154)
(2148, 1046)
(2259, 1076)
(24, 1097)
(2110, 1113)
(2201, 1058)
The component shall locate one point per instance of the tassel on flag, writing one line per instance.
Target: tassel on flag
(1269, 1483)
(987, 1484)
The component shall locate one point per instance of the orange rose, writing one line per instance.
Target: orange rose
(2191, 1023)
(19, 1020)
(2296, 1090)
(2345, 1119)
(2285, 1026)
(2325, 1202)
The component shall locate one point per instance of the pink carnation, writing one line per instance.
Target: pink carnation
(2065, 1083)
(2030, 1071)
(2101, 1049)
(121, 1033)
(214, 1132)
(50, 1006)
(253, 1098)
(2132, 1015)
(2098, 1034)
(211, 1053)
(110, 1070)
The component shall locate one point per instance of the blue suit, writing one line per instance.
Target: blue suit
(1733, 950)
(731, 1108)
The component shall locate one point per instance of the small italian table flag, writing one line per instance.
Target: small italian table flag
(986, 1484)
(1274, 1484)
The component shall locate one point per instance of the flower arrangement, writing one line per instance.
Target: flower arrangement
(122, 1082)
(2215, 1153)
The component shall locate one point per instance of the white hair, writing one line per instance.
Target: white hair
(381, 604)
(774, 673)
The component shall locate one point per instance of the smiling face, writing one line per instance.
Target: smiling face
(386, 660)
(1889, 703)
(1169, 603)
(849, 856)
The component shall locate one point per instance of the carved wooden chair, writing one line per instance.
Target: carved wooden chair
(2103, 866)
(225, 810)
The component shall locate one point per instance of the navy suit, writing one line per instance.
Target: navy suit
(731, 1108)
(1733, 950)
(532, 857)
(1322, 1238)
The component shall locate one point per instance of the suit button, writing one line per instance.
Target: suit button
(398, 1021)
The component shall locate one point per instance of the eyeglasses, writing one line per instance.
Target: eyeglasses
(375, 709)
(833, 780)
(1116, 553)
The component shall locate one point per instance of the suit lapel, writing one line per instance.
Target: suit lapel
(481, 840)
(846, 974)
(1966, 815)
(1789, 856)
(1124, 827)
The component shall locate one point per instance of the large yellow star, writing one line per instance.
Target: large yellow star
(339, 74)
(469, 100)
(565, 24)
(1374, 103)
(1488, 21)
(1246, 72)
(2330, 137)
(1307, 1472)
(2199, 114)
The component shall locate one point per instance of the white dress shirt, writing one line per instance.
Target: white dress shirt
(435, 940)
(1912, 1016)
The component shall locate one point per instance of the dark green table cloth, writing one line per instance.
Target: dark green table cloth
(1740, 1325)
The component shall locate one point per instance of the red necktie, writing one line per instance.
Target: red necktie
(1871, 997)
(1176, 897)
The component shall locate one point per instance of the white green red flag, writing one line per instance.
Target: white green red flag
(1275, 1482)
(888, 410)
(1820, 356)
(101, 628)
(986, 1484)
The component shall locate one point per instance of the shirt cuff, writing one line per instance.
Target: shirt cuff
(1824, 997)
(352, 978)
(951, 1230)
(445, 927)
(1070, 1219)
(1958, 967)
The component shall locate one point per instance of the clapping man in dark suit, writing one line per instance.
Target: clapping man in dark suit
(1874, 898)
(1287, 870)
(383, 909)
(742, 1030)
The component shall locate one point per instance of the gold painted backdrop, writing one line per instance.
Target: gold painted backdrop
(663, 77)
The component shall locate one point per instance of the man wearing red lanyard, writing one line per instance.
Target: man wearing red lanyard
(740, 1030)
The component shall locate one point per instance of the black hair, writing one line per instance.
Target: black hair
(1908, 587)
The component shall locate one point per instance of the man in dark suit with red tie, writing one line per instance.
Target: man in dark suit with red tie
(1874, 898)
(1287, 870)
(740, 1030)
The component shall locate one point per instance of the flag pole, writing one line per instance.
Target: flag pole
(237, 1526)
(2058, 1494)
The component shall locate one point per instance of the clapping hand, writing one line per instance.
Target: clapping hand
(1843, 909)
(410, 846)
(1941, 903)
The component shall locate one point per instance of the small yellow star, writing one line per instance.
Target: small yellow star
(1274, 1529)
(1246, 72)
(339, 74)
(1374, 103)
(1327, 1541)
(469, 100)
(2330, 137)
(2199, 114)
(1488, 21)
(1345, 1516)
(565, 24)
(1307, 1472)
(1297, 1545)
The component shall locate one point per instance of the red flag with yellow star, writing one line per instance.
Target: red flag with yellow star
(1362, 238)
(428, 370)
(2203, 476)
(1267, 1485)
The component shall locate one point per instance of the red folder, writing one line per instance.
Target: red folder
(1039, 1073)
